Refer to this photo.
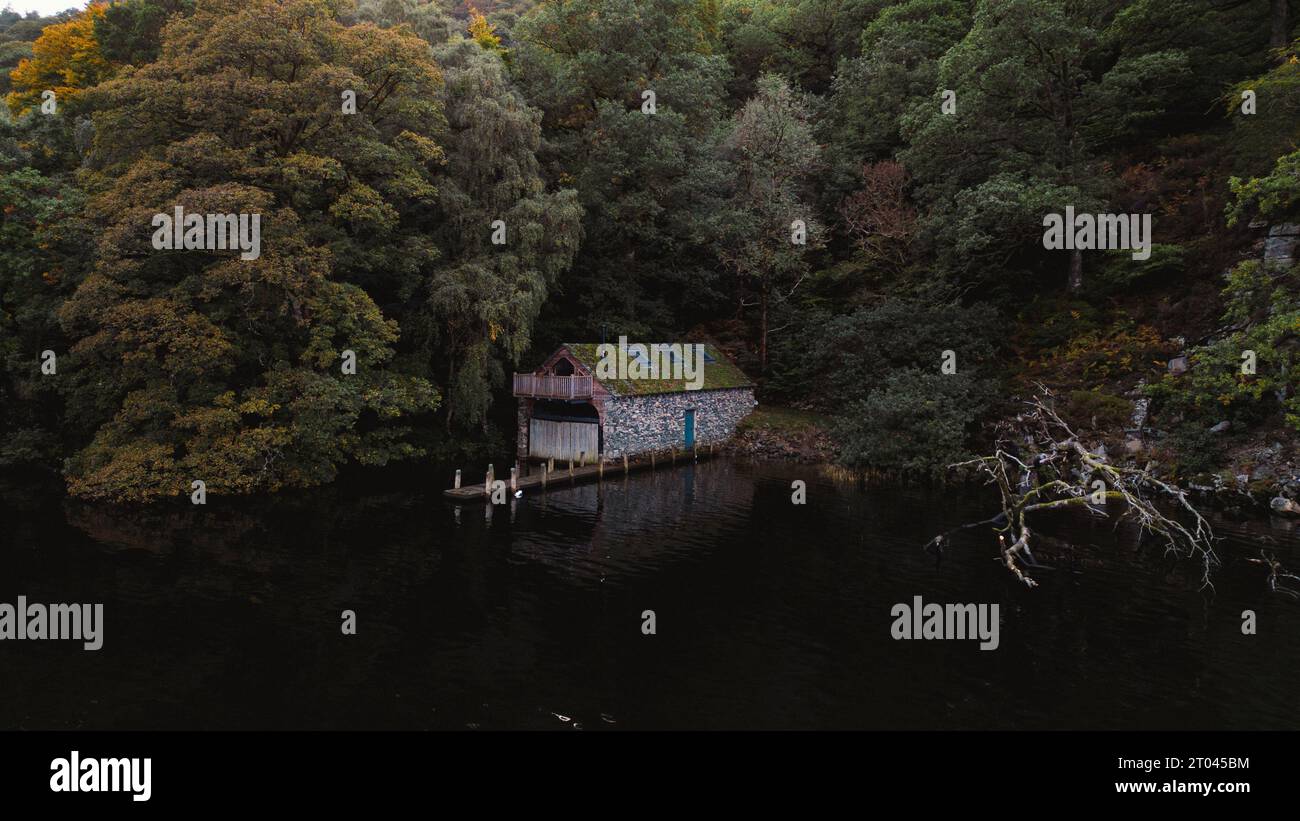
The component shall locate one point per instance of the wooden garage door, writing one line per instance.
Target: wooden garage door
(563, 440)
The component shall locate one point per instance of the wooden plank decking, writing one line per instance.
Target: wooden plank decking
(561, 477)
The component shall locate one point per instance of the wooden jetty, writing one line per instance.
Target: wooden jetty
(549, 475)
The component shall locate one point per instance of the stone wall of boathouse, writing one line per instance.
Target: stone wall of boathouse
(640, 424)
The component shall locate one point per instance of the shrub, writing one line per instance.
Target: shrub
(914, 422)
(1051, 322)
(1118, 352)
(1264, 306)
(1195, 450)
(1094, 410)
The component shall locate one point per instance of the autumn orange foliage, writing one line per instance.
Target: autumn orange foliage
(66, 59)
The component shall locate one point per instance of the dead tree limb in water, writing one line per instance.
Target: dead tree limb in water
(1277, 575)
(1040, 464)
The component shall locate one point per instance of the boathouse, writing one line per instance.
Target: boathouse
(567, 411)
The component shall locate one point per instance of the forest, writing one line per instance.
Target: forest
(846, 196)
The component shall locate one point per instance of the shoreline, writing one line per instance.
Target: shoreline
(774, 433)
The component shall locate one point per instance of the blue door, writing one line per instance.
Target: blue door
(690, 428)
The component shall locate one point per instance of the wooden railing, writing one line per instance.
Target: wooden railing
(552, 387)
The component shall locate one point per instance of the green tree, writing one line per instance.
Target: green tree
(650, 183)
(897, 68)
(1042, 90)
(130, 31)
(772, 225)
(43, 250)
(474, 311)
(483, 298)
(804, 40)
(200, 365)
(878, 370)
(1266, 136)
(427, 19)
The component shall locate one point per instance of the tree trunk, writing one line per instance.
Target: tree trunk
(1076, 271)
(762, 342)
(1279, 30)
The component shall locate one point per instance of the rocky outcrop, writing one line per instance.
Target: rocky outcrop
(1282, 242)
(1283, 506)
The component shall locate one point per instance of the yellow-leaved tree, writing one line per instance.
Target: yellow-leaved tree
(483, 32)
(66, 59)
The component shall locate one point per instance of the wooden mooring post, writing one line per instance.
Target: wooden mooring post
(520, 478)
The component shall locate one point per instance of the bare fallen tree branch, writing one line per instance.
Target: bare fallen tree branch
(1277, 574)
(1040, 464)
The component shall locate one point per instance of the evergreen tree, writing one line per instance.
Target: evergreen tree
(650, 183)
(1038, 100)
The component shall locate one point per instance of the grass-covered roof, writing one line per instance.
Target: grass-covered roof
(719, 372)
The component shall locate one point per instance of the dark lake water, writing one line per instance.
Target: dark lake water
(768, 614)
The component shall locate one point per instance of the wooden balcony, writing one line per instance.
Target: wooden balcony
(537, 386)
